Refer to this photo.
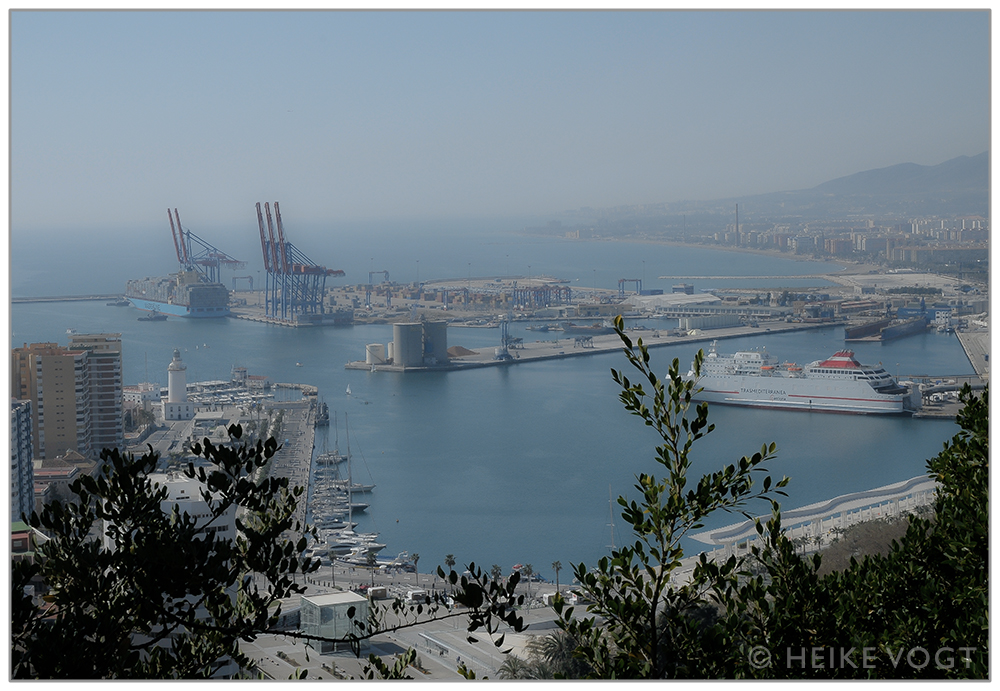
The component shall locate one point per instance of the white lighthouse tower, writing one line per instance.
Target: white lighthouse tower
(176, 407)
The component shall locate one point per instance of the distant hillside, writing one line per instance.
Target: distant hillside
(959, 187)
(965, 174)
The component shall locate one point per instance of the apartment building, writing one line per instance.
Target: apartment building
(22, 477)
(75, 394)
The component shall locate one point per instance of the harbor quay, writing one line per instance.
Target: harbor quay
(294, 457)
(815, 526)
(578, 346)
(976, 343)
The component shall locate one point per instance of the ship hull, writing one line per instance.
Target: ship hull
(798, 394)
(175, 310)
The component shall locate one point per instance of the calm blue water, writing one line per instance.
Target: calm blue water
(509, 465)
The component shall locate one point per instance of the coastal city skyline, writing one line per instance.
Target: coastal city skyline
(395, 115)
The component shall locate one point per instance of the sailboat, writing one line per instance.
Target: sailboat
(327, 458)
(348, 389)
(348, 541)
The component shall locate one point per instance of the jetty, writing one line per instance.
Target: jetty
(579, 346)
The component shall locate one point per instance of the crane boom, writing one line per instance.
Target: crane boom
(281, 237)
(173, 233)
(278, 268)
(263, 241)
(180, 232)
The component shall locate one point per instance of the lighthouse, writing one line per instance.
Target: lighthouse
(176, 407)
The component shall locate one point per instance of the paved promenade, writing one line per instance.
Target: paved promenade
(440, 645)
(298, 433)
(977, 348)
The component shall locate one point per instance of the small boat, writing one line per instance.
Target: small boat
(322, 415)
(153, 317)
(120, 302)
(298, 364)
(348, 389)
(356, 487)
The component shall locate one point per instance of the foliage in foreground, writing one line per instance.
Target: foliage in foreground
(162, 594)
(135, 590)
(919, 612)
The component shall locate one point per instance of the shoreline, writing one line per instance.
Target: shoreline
(848, 267)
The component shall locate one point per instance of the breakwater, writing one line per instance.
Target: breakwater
(579, 346)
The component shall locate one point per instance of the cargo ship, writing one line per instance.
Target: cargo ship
(838, 384)
(183, 294)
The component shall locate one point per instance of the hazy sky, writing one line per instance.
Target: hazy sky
(354, 115)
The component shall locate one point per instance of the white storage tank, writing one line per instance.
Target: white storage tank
(408, 344)
(389, 348)
(436, 340)
(375, 354)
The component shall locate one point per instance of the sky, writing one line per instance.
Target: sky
(116, 116)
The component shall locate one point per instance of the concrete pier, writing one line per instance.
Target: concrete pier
(977, 347)
(592, 345)
(294, 459)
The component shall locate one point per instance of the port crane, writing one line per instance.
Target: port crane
(294, 284)
(195, 254)
(371, 285)
(623, 281)
(249, 279)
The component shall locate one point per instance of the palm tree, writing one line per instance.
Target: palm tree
(514, 668)
(449, 561)
(496, 572)
(555, 654)
(416, 558)
(556, 566)
(370, 560)
(528, 572)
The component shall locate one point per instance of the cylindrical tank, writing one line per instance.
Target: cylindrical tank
(436, 340)
(389, 349)
(374, 354)
(408, 344)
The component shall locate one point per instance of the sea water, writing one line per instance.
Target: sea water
(518, 464)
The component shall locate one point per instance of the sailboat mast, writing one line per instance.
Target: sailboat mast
(611, 512)
(347, 434)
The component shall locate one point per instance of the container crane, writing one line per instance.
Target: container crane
(294, 284)
(195, 254)
(623, 281)
(371, 285)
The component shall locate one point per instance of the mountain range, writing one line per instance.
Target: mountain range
(957, 187)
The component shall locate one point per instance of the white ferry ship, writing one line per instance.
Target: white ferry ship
(838, 384)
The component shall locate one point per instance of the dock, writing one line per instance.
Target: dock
(977, 348)
(294, 459)
(579, 346)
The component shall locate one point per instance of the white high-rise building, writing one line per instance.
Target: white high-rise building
(176, 407)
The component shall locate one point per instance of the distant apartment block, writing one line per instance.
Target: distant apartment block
(105, 373)
(75, 392)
